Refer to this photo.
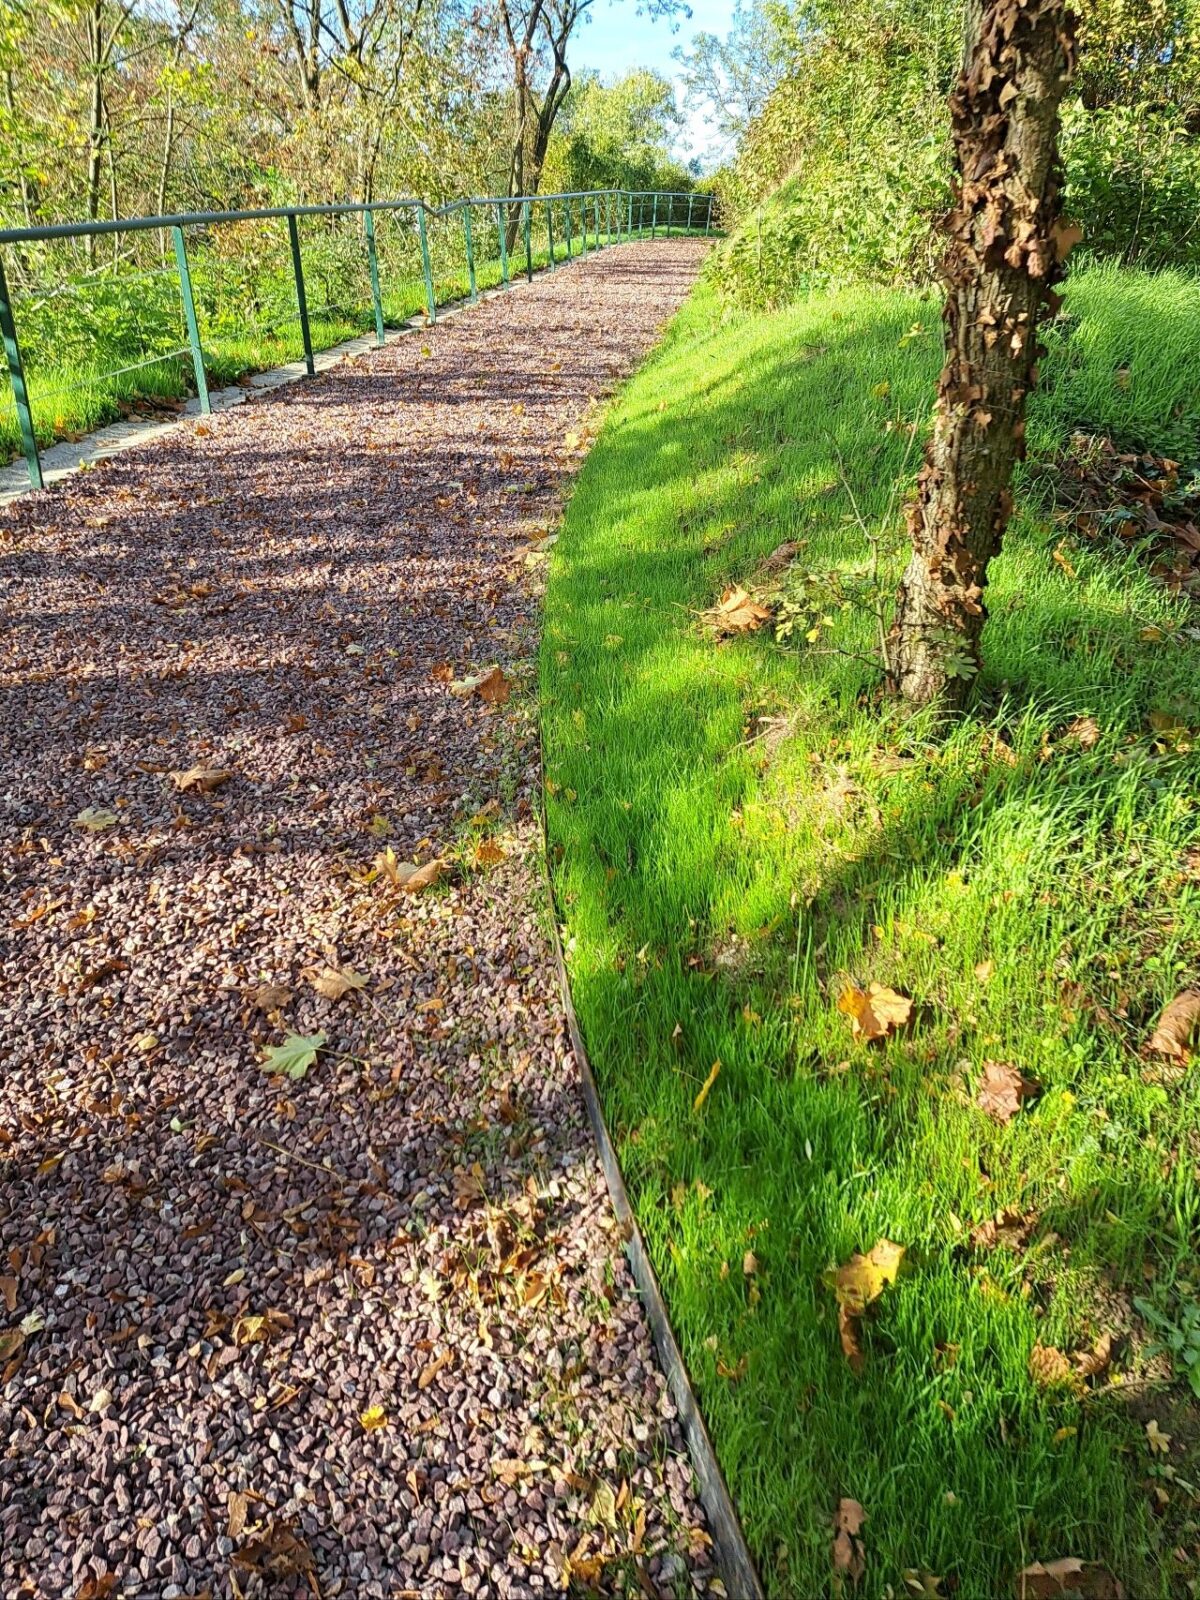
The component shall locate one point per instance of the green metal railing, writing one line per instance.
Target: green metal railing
(620, 214)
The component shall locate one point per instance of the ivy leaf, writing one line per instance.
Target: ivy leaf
(295, 1055)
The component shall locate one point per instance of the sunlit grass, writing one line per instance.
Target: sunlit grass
(739, 828)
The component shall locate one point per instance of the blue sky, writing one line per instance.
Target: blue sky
(617, 39)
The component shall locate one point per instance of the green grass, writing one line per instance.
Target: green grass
(718, 888)
(71, 397)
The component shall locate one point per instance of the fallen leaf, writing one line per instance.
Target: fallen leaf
(278, 1552)
(864, 1278)
(491, 686)
(434, 1367)
(1177, 1024)
(1085, 732)
(488, 853)
(1068, 1576)
(1091, 1363)
(200, 780)
(94, 820)
(984, 970)
(372, 1418)
(1159, 1442)
(737, 612)
(407, 875)
(874, 1012)
(1002, 1089)
(334, 983)
(271, 997)
(706, 1086)
(1010, 1228)
(236, 1507)
(1049, 1368)
(849, 1553)
(97, 1588)
(8, 1288)
(295, 1055)
(259, 1327)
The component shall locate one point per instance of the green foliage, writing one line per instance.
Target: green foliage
(1177, 1335)
(847, 165)
(617, 136)
(738, 828)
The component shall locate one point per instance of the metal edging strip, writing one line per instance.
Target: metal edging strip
(734, 1561)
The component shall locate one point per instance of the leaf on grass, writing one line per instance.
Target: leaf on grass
(1177, 1025)
(874, 1012)
(706, 1087)
(1049, 1368)
(95, 819)
(1002, 1089)
(1009, 1228)
(864, 1278)
(849, 1328)
(492, 687)
(295, 1055)
(737, 612)
(372, 1418)
(1159, 1442)
(200, 780)
(1085, 732)
(1096, 1361)
(1068, 1576)
(334, 983)
(849, 1552)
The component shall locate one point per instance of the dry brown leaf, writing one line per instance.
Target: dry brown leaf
(1092, 1363)
(407, 875)
(237, 1508)
(271, 997)
(434, 1367)
(278, 1552)
(334, 983)
(488, 853)
(1049, 1368)
(492, 687)
(849, 1553)
(738, 612)
(259, 1327)
(1085, 732)
(1009, 1228)
(874, 1012)
(8, 1288)
(1002, 1089)
(1068, 1576)
(849, 1327)
(1176, 1027)
(201, 780)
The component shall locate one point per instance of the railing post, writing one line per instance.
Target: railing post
(470, 252)
(654, 216)
(629, 219)
(373, 264)
(568, 205)
(708, 218)
(189, 317)
(550, 232)
(582, 227)
(528, 246)
(301, 300)
(427, 270)
(16, 372)
(596, 220)
(502, 224)
(691, 198)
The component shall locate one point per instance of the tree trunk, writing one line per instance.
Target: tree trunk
(1006, 245)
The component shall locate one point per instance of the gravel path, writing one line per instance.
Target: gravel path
(366, 1331)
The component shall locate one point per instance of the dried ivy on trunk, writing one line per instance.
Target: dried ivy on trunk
(1006, 245)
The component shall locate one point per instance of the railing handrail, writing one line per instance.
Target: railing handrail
(191, 219)
(520, 208)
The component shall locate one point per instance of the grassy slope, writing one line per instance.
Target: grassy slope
(722, 887)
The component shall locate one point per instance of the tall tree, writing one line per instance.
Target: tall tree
(1006, 242)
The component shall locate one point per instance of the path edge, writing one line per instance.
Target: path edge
(734, 1561)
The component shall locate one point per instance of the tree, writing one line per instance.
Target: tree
(732, 78)
(1006, 242)
(617, 135)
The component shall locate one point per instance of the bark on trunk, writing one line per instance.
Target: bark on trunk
(1007, 242)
